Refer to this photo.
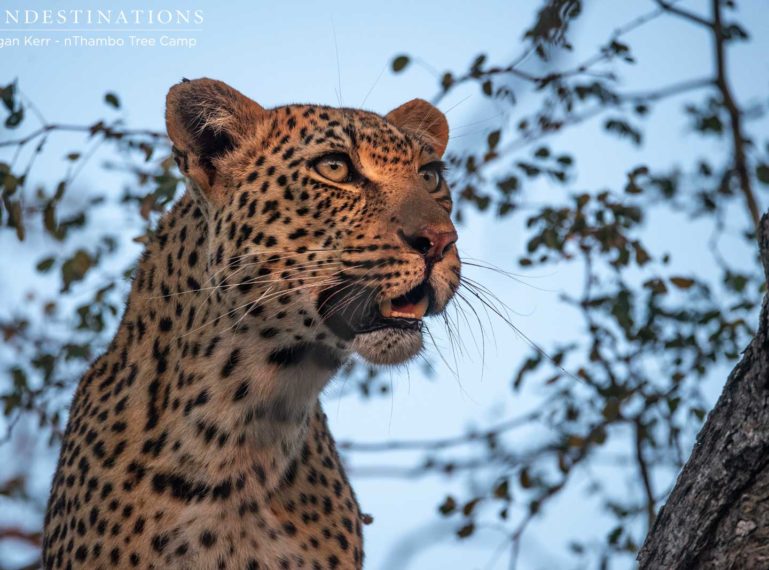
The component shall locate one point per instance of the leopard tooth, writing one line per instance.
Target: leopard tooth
(401, 315)
(386, 308)
(421, 307)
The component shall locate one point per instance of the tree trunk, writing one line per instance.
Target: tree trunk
(718, 513)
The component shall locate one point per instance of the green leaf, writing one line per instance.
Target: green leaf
(611, 409)
(525, 479)
(673, 403)
(502, 490)
(623, 129)
(19, 377)
(447, 81)
(14, 119)
(400, 63)
(76, 267)
(508, 185)
(493, 139)
(112, 100)
(8, 96)
(682, 282)
(448, 506)
(699, 413)
(762, 173)
(15, 218)
(466, 530)
(478, 63)
(505, 208)
(656, 285)
(45, 264)
(77, 351)
(469, 507)
(614, 535)
(60, 188)
(576, 441)
(710, 123)
(642, 256)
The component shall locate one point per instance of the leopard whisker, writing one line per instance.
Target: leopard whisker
(325, 285)
(456, 342)
(270, 259)
(301, 273)
(347, 301)
(353, 281)
(517, 277)
(256, 280)
(288, 254)
(464, 300)
(264, 297)
(454, 369)
(533, 345)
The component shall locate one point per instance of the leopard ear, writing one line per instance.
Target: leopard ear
(423, 120)
(206, 119)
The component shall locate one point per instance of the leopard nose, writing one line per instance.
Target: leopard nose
(432, 243)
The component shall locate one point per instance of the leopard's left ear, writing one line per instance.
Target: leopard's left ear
(423, 120)
(207, 119)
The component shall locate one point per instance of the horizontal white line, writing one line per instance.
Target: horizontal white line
(100, 30)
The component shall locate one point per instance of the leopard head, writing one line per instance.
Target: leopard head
(330, 225)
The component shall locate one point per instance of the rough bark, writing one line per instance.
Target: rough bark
(717, 515)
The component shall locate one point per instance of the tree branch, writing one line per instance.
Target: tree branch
(735, 116)
(651, 96)
(643, 469)
(13, 533)
(717, 515)
(685, 14)
(668, 90)
(438, 443)
(542, 80)
(106, 130)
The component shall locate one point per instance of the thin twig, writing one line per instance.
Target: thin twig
(643, 470)
(735, 116)
(435, 444)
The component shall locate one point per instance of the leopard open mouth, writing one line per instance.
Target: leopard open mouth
(350, 318)
(411, 305)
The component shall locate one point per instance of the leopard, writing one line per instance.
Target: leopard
(307, 236)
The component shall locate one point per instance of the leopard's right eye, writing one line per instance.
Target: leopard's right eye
(335, 167)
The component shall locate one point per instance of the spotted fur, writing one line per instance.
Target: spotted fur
(197, 440)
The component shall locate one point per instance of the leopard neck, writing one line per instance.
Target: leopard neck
(206, 384)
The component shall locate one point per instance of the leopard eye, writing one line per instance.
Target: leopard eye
(431, 177)
(335, 167)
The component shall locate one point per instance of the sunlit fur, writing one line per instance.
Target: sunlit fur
(198, 440)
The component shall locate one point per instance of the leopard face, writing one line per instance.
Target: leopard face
(329, 226)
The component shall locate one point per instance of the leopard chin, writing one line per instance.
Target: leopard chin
(388, 346)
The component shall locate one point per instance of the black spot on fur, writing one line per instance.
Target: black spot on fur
(241, 392)
(232, 362)
(207, 538)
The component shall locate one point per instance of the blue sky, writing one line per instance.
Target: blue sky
(339, 52)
